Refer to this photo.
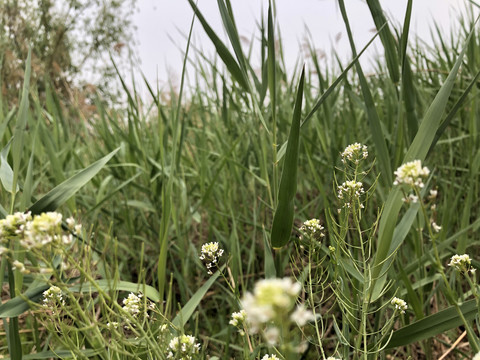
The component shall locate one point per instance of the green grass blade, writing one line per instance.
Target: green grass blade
(187, 311)
(378, 136)
(20, 126)
(387, 38)
(6, 172)
(433, 325)
(418, 150)
(60, 194)
(283, 219)
(222, 50)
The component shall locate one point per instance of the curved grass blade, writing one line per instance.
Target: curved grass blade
(222, 50)
(283, 219)
(433, 325)
(60, 194)
(184, 315)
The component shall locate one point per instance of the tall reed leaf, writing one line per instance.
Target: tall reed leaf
(418, 150)
(60, 194)
(377, 134)
(283, 219)
(222, 50)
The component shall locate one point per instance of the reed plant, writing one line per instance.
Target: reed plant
(254, 213)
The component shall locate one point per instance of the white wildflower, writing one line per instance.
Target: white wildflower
(270, 357)
(399, 304)
(460, 262)
(313, 229)
(17, 265)
(271, 298)
(436, 227)
(354, 152)
(272, 334)
(210, 254)
(183, 347)
(349, 192)
(477, 356)
(53, 297)
(238, 318)
(302, 316)
(132, 304)
(411, 173)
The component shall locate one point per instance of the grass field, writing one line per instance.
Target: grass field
(202, 203)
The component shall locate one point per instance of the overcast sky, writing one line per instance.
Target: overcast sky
(161, 24)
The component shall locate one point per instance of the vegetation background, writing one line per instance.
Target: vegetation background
(185, 170)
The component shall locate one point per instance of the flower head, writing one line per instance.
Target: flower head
(399, 304)
(132, 304)
(13, 225)
(355, 153)
(53, 297)
(411, 173)
(313, 229)
(270, 357)
(238, 318)
(271, 299)
(349, 192)
(183, 347)
(302, 316)
(210, 254)
(461, 263)
(42, 230)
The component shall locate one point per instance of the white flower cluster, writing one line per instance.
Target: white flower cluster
(272, 301)
(477, 356)
(13, 225)
(399, 304)
(53, 297)
(210, 254)
(183, 347)
(332, 358)
(270, 357)
(461, 263)
(355, 153)
(350, 191)
(135, 305)
(132, 304)
(238, 318)
(411, 173)
(313, 229)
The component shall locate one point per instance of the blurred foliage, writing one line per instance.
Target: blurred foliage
(71, 41)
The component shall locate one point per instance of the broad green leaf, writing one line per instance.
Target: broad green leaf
(57, 196)
(283, 218)
(433, 325)
(18, 305)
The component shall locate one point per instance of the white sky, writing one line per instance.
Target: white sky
(161, 24)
